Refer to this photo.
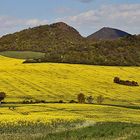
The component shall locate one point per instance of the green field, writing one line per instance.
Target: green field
(53, 82)
(22, 54)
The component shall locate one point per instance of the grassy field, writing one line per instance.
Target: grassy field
(22, 54)
(117, 118)
(100, 131)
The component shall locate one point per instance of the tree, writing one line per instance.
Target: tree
(90, 99)
(2, 96)
(81, 98)
(100, 99)
(116, 80)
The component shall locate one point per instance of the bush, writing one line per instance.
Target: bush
(31, 61)
(116, 80)
(100, 99)
(81, 98)
(72, 101)
(61, 101)
(127, 82)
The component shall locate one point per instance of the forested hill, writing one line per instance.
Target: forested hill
(62, 43)
(120, 52)
(42, 37)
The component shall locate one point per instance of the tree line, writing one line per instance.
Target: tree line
(81, 99)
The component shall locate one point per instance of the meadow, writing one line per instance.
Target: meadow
(22, 54)
(117, 118)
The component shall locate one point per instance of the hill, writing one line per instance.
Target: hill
(107, 33)
(54, 82)
(62, 43)
(40, 38)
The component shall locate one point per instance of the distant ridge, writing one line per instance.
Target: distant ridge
(62, 43)
(107, 33)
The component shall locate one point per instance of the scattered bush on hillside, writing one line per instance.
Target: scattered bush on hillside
(100, 99)
(32, 61)
(33, 101)
(12, 107)
(72, 101)
(60, 101)
(127, 82)
(2, 96)
(81, 98)
(90, 99)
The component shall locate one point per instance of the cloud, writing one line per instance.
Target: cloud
(35, 22)
(10, 22)
(126, 16)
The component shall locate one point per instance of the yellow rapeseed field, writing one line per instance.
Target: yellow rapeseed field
(54, 82)
(46, 113)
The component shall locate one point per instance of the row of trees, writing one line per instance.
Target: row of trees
(83, 99)
(125, 82)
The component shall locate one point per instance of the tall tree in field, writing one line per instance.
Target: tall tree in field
(81, 98)
(2, 96)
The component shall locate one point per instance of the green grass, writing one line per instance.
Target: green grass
(100, 131)
(67, 131)
(22, 54)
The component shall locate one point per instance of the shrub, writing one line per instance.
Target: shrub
(81, 98)
(72, 101)
(127, 82)
(43, 101)
(100, 99)
(61, 101)
(30, 61)
(116, 80)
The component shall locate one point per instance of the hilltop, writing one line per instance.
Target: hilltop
(41, 37)
(107, 33)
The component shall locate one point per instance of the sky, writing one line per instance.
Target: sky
(87, 16)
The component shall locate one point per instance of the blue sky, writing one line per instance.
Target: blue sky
(87, 16)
